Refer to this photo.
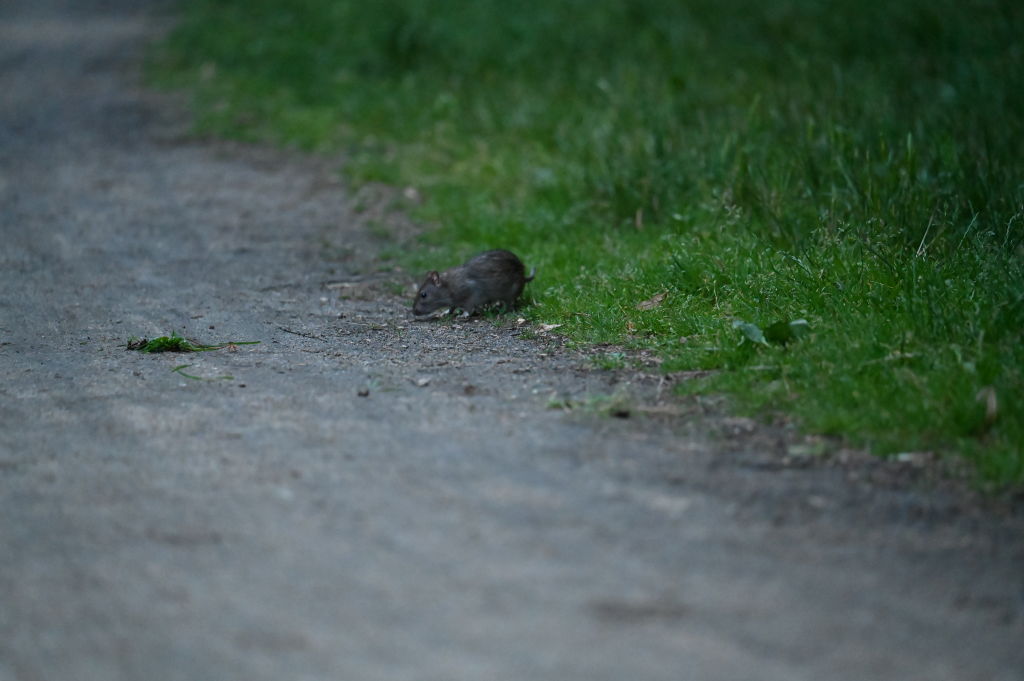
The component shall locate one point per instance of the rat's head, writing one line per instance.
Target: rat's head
(432, 295)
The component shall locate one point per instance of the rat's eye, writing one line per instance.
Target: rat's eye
(423, 294)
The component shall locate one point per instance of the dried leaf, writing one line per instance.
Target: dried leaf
(549, 327)
(652, 302)
(988, 396)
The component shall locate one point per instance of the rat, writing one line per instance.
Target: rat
(496, 276)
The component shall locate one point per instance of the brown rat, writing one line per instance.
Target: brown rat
(491, 277)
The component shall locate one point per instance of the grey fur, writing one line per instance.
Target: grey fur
(496, 276)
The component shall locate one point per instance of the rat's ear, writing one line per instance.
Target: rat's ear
(434, 278)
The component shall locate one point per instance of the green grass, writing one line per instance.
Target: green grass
(176, 343)
(857, 165)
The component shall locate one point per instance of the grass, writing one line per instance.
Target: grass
(176, 343)
(857, 165)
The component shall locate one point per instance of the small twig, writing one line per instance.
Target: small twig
(178, 370)
(304, 335)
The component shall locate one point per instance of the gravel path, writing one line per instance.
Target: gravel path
(264, 520)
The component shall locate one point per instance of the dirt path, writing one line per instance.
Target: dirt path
(449, 525)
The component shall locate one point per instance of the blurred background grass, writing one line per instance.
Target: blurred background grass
(854, 164)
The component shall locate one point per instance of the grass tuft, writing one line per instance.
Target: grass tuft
(176, 343)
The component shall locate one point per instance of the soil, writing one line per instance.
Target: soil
(364, 496)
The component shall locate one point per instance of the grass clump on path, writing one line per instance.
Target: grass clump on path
(735, 165)
(176, 343)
